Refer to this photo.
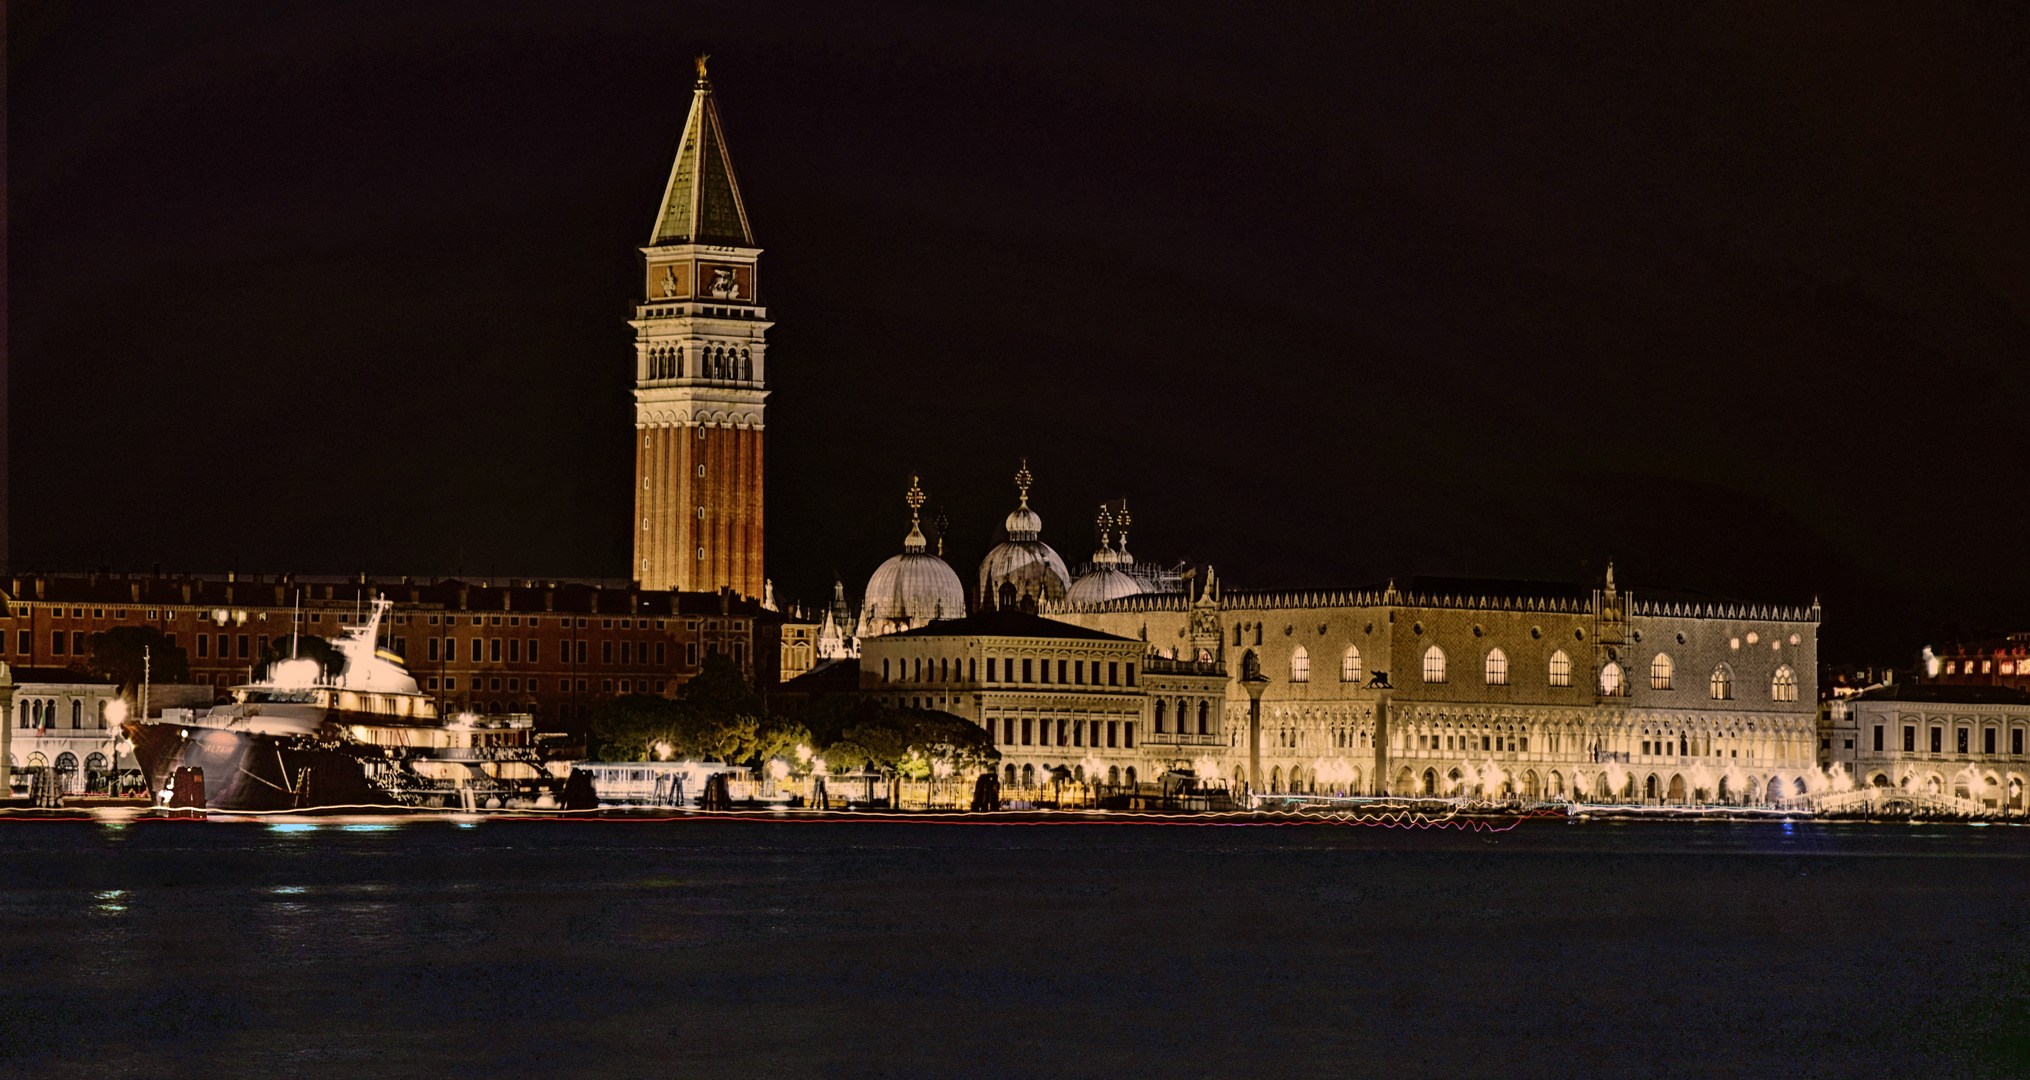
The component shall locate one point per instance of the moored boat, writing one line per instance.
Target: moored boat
(358, 733)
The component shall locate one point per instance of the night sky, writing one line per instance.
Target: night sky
(1737, 298)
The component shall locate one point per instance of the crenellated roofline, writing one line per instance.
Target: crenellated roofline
(1237, 600)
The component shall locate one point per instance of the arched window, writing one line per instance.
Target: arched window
(1497, 668)
(1561, 669)
(1434, 665)
(102, 712)
(1784, 686)
(1661, 671)
(24, 714)
(1349, 665)
(1203, 711)
(77, 713)
(95, 762)
(1610, 680)
(1300, 665)
(1722, 685)
(746, 365)
(1161, 707)
(66, 762)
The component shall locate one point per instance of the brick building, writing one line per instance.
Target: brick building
(554, 649)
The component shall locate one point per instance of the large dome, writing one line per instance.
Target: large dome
(1030, 566)
(1023, 561)
(912, 589)
(908, 591)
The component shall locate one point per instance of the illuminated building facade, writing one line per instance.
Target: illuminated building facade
(1966, 741)
(1054, 694)
(58, 719)
(701, 377)
(1505, 688)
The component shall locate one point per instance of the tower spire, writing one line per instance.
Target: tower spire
(701, 202)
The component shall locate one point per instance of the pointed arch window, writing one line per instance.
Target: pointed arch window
(1204, 711)
(1434, 665)
(1783, 687)
(1662, 672)
(1349, 665)
(1610, 680)
(1497, 667)
(1560, 669)
(1162, 706)
(1722, 684)
(1300, 665)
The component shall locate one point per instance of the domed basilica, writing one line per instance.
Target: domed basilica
(1022, 573)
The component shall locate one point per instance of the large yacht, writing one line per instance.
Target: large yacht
(352, 733)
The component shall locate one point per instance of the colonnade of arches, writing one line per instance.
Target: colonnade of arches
(1031, 775)
(1606, 786)
(727, 362)
(1993, 788)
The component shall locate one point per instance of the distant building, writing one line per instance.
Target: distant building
(799, 648)
(1943, 739)
(552, 649)
(1991, 662)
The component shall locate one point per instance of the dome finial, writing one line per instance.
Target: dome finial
(1023, 480)
(700, 61)
(914, 498)
(914, 542)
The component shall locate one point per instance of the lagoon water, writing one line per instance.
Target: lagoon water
(728, 949)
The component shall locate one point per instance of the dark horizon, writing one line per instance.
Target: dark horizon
(1738, 300)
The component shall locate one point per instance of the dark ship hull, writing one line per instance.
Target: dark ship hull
(256, 772)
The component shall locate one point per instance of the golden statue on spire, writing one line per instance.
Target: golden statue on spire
(700, 61)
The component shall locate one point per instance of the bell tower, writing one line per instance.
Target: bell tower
(700, 376)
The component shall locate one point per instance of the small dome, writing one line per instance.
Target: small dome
(1024, 523)
(1101, 584)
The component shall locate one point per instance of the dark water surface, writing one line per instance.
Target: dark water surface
(725, 949)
